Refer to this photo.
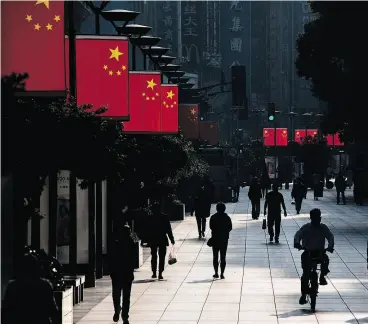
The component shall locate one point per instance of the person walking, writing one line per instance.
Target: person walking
(317, 186)
(340, 185)
(265, 182)
(20, 305)
(202, 207)
(298, 193)
(236, 189)
(121, 264)
(160, 229)
(255, 195)
(274, 201)
(221, 226)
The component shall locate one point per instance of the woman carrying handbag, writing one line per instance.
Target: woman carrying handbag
(221, 226)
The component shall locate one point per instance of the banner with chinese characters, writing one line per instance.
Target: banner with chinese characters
(144, 103)
(234, 34)
(102, 74)
(167, 26)
(188, 120)
(281, 137)
(268, 136)
(32, 34)
(209, 132)
(192, 38)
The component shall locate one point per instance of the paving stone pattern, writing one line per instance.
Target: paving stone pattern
(262, 282)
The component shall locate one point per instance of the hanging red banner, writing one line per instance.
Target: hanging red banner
(299, 135)
(144, 102)
(281, 137)
(333, 140)
(209, 131)
(169, 108)
(32, 34)
(102, 74)
(268, 136)
(188, 120)
(312, 133)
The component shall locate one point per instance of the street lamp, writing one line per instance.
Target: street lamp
(182, 80)
(152, 51)
(292, 115)
(163, 59)
(174, 74)
(119, 15)
(186, 86)
(169, 67)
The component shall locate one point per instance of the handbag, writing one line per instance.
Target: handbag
(172, 257)
(264, 222)
(210, 242)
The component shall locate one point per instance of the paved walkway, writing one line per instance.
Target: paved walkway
(262, 279)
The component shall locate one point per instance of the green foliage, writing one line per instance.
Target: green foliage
(332, 55)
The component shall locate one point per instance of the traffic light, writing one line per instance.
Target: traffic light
(271, 111)
(239, 87)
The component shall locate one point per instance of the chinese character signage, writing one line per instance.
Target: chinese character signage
(167, 13)
(192, 35)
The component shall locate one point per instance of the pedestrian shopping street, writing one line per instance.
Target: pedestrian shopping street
(261, 280)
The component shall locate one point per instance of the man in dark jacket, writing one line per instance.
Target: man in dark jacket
(202, 206)
(160, 229)
(340, 185)
(298, 193)
(255, 195)
(274, 201)
(221, 226)
(121, 263)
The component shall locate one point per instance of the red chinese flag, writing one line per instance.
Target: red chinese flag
(312, 132)
(33, 42)
(330, 140)
(337, 141)
(268, 136)
(299, 135)
(102, 74)
(281, 137)
(169, 108)
(209, 131)
(144, 103)
(188, 120)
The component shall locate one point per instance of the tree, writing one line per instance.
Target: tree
(43, 136)
(332, 55)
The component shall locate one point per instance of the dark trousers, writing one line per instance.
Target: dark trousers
(161, 249)
(201, 224)
(298, 203)
(306, 266)
(264, 192)
(219, 249)
(121, 284)
(256, 208)
(236, 192)
(342, 196)
(271, 222)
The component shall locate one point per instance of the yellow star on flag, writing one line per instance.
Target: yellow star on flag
(29, 18)
(174, 102)
(49, 26)
(123, 67)
(105, 67)
(153, 98)
(118, 73)
(192, 111)
(147, 98)
(172, 106)
(115, 53)
(45, 2)
(167, 106)
(151, 84)
(170, 94)
(57, 18)
(111, 73)
(211, 126)
(164, 102)
(143, 94)
(37, 27)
